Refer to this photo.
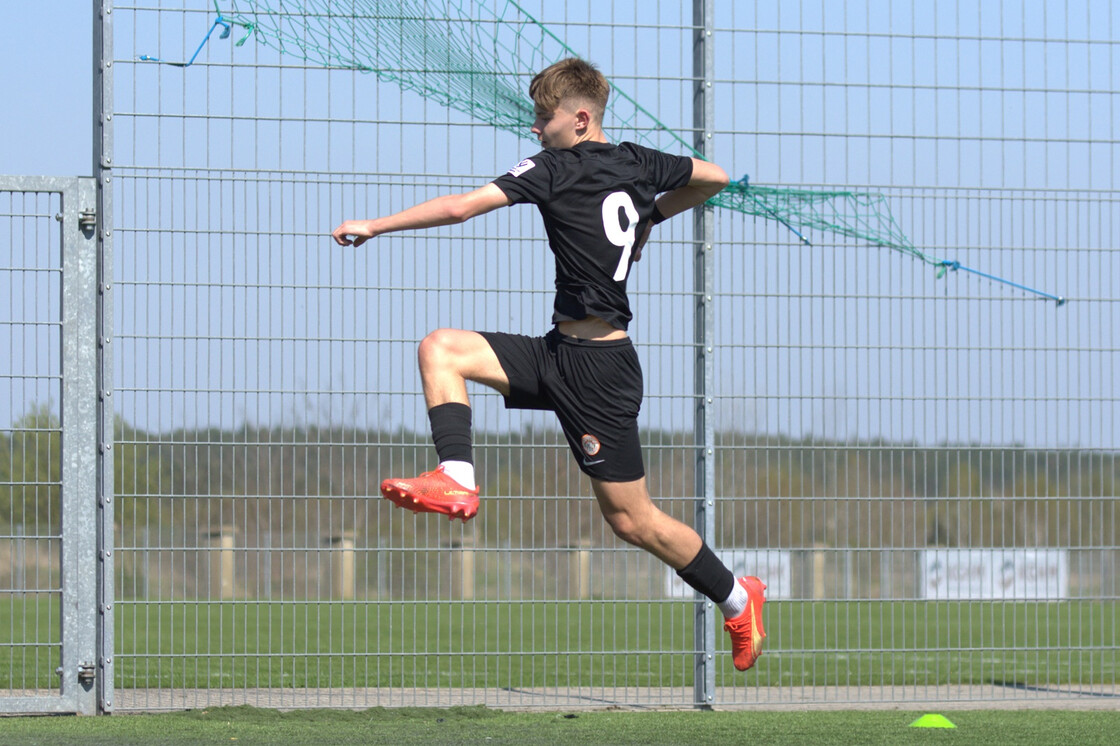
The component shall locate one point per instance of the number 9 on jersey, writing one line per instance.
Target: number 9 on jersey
(614, 206)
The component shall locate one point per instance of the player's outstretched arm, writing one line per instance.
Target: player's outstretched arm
(446, 210)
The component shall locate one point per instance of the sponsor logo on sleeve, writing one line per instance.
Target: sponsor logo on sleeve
(522, 167)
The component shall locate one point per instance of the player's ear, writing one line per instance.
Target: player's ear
(583, 118)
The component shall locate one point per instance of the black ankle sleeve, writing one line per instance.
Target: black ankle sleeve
(451, 431)
(707, 574)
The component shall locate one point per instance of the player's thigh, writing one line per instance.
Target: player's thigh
(633, 516)
(467, 353)
(628, 498)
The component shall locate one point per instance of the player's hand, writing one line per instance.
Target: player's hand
(636, 252)
(353, 232)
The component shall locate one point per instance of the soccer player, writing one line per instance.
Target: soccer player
(599, 203)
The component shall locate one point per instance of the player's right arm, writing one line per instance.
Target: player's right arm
(449, 209)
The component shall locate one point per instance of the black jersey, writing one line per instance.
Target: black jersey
(596, 199)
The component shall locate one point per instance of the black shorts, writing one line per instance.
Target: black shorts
(594, 387)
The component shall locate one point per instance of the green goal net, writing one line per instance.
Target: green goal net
(476, 56)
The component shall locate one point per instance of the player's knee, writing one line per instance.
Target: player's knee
(629, 528)
(436, 349)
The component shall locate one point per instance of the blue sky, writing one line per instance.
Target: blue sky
(47, 89)
(786, 118)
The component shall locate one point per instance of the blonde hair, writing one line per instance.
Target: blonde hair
(571, 80)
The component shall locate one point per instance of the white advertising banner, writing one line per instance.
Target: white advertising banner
(994, 574)
(771, 565)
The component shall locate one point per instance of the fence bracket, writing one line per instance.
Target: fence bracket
(87, 219)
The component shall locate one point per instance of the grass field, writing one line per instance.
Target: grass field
(242, 726)
(397, 644)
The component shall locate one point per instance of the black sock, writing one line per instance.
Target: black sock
(708, 575)
(451, 431)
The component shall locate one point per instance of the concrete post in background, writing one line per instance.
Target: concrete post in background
(580, 570)
(819, 567)
(220, 561)
(463, 566)
(343, 566)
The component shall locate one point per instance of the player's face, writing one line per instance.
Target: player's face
(557, 128)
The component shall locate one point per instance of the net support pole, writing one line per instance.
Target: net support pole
(703, 110)
(103, 231)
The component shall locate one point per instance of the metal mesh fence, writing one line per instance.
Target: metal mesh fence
(925, 469)
(48, 500)
(31, 445)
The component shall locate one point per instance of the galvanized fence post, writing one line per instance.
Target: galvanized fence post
(79, 432)
(703, 110)
(102, 169)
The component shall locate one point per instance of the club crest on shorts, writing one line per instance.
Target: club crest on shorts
(590, 444)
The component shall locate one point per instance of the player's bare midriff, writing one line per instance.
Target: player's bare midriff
(591, 327)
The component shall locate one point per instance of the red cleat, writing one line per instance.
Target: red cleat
(746, 629)
(433, 492)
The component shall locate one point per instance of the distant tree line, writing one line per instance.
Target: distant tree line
(770, 491)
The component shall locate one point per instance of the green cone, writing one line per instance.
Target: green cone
(932, 721)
